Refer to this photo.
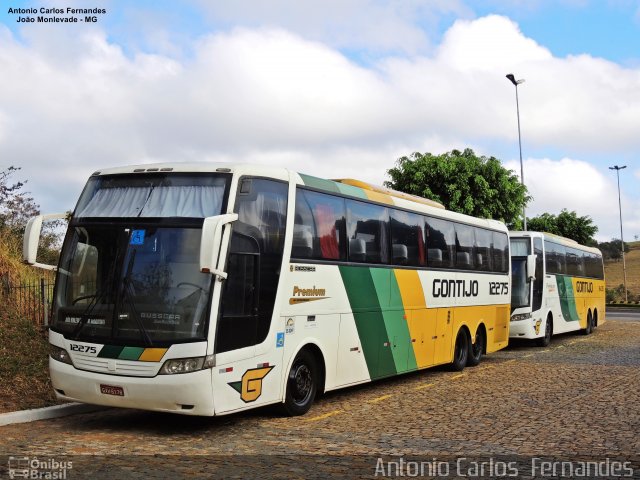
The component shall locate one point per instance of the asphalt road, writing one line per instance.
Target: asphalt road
(621, 313)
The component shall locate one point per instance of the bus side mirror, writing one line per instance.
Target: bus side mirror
(32, 238)
(531, 267)
(211, 241)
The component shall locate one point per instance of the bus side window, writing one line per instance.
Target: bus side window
(465, 247)
(484, 260)
(369, 223)
(407, 239)
(500, 252)
(319, 226)
(440, 243)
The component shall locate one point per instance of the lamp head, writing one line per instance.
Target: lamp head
(513, 80)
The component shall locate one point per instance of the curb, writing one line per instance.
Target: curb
(45, 413)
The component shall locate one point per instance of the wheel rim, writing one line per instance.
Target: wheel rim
(301, 383)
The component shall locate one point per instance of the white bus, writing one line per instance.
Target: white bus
(557, 286)
(210, 289)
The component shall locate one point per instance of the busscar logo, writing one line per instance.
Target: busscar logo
(250, 386)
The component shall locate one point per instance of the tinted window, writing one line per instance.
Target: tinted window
(367, 227)
(407, 239)
(483, 249)
(319, 226)
(500, 252)
(440, 243)
(575, 265)
(465, 247)
(556, 258)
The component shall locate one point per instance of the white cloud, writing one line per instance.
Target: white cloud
(577, 186)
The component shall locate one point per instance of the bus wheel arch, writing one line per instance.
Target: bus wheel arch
(305, 377)
(478, 346)
(461, 349)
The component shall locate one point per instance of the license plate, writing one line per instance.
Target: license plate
(112, 390)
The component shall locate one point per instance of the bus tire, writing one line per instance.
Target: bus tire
(477, 348)
(548, 331)
(302, 384)
(589, 328)
(461, 351)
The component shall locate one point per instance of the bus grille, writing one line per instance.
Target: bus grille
(122, 367)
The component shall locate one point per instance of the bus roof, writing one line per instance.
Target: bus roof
(347, 187)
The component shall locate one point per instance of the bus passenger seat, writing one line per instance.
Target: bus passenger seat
(400, 254)
(434, 256)
(463, 259)
(479, 260)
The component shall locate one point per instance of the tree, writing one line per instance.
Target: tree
(613, 250)
(567, 224)
(16, 206)
(462, 182)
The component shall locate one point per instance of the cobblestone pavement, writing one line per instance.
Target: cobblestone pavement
(577, 400)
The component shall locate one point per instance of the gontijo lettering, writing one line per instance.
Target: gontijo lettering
(455, 288)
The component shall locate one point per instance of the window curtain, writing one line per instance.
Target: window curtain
(185, 201)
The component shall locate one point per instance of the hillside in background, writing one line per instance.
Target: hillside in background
(614, 275)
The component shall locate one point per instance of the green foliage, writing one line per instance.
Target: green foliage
(613, 250)
(16, 208)
(567, 224)
(463, 182)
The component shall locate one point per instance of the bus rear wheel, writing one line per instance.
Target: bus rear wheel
(461, 352)
(302, 384)
(476, 349)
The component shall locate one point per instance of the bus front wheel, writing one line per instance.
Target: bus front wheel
(302, 384)
(548, 331)
(461, 352)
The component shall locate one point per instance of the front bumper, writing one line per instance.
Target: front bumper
(188, 393)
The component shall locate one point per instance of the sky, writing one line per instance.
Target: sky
(336, 89)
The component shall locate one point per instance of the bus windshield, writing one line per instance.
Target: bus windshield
(129, 270)
(520, 283)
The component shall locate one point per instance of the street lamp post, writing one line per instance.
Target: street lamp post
(515, 82)
(624, 265)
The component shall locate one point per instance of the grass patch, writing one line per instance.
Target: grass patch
(24, 348)
(614, 273)
(24, 371)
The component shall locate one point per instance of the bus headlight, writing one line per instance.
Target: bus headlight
(60, 354)
(186, 365)
(521, 316)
